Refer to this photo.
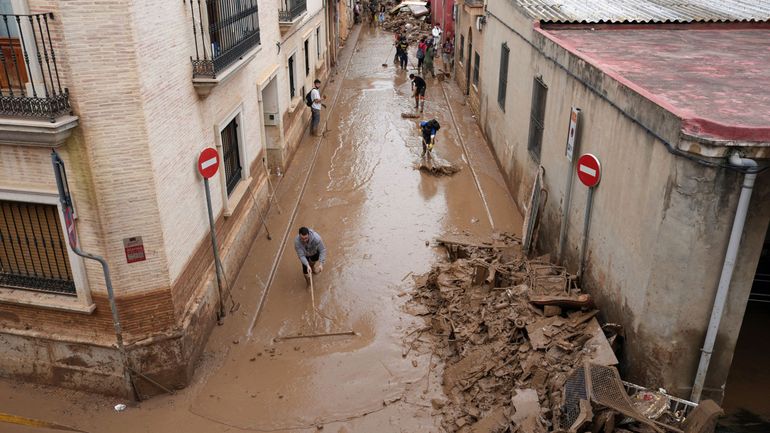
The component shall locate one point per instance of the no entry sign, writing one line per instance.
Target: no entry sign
(589, 170)
(208, 162)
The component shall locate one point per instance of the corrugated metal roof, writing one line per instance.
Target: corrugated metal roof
(646, 11)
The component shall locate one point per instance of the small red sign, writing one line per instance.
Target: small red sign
(134, 249)
(208, 162)
(589, 170)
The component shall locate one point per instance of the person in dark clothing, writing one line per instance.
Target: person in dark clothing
(418, 86)
(429, 129)
(402, 48)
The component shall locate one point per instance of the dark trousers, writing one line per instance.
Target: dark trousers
(311, 260)
(315, 120)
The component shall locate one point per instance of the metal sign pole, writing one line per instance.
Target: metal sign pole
(66, 201)
(572, 148)
(586, 225)
(221, 314)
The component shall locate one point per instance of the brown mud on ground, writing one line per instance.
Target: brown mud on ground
(437, 166)
(378, 215)
(520, 342)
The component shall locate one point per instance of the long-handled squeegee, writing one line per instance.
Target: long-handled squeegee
(315, 313)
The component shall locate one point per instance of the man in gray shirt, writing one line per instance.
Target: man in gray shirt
(311, 252)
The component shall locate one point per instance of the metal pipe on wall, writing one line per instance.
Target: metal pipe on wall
(727, 271)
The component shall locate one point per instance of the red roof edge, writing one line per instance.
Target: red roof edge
(692, 125)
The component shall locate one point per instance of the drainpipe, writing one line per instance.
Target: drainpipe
(727, 270)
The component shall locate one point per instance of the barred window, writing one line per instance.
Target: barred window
(537, 117)
(460, 52)
(292, 88)
(503, 86)
(33, 252)
(307, 57)
(476, 61)
(231, 155)
(233, 29)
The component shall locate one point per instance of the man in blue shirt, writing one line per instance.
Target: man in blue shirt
(311, 252)
(429, 129)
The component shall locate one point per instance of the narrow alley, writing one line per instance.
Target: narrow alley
(359, 187)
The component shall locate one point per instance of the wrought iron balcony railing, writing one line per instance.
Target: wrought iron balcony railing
(29, 76)
(291, 9)
(224, 30)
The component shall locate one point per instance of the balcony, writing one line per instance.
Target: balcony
(291, 11)
(34, 106)
(226, 34)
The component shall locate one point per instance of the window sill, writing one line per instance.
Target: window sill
(236, 196)
(45, 300)
(36, 132)
(204, 86)
(294, 104)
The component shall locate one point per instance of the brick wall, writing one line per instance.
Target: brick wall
(131, 167)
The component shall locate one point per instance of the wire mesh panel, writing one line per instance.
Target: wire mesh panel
(601, 385)
(33, 253)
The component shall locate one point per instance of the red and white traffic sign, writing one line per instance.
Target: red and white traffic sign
(208, 162)
(589, 170)
(69, 223)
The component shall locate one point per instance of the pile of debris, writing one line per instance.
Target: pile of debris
(405, 23)
(522, 347)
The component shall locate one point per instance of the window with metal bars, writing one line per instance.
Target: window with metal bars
(33, 252)
(318, 42)
(503, 86)
(232, 29)
(292, 89)
(537, 117)
(307, 57)
(231, 155)
(460, 52)
(476, 61)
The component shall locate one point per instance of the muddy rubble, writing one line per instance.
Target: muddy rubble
(524, 351)
(437, 166)
(406, 24)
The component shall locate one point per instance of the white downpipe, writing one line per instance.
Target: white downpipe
(727, 272)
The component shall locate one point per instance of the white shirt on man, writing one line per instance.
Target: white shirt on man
(315, 95)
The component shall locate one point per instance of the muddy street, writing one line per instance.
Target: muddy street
(360, 188)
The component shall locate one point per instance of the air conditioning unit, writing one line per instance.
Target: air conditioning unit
(480, 21)
(271, 119)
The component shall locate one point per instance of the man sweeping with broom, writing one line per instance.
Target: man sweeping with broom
(311, 252)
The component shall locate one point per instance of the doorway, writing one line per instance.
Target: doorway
(748, 382)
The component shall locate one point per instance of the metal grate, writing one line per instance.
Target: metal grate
(232, 27)
(231, 155)
(33, 255)
(601, 385)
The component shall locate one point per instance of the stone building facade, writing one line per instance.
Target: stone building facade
(469, 49)
(664, 131)
(129, 93)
